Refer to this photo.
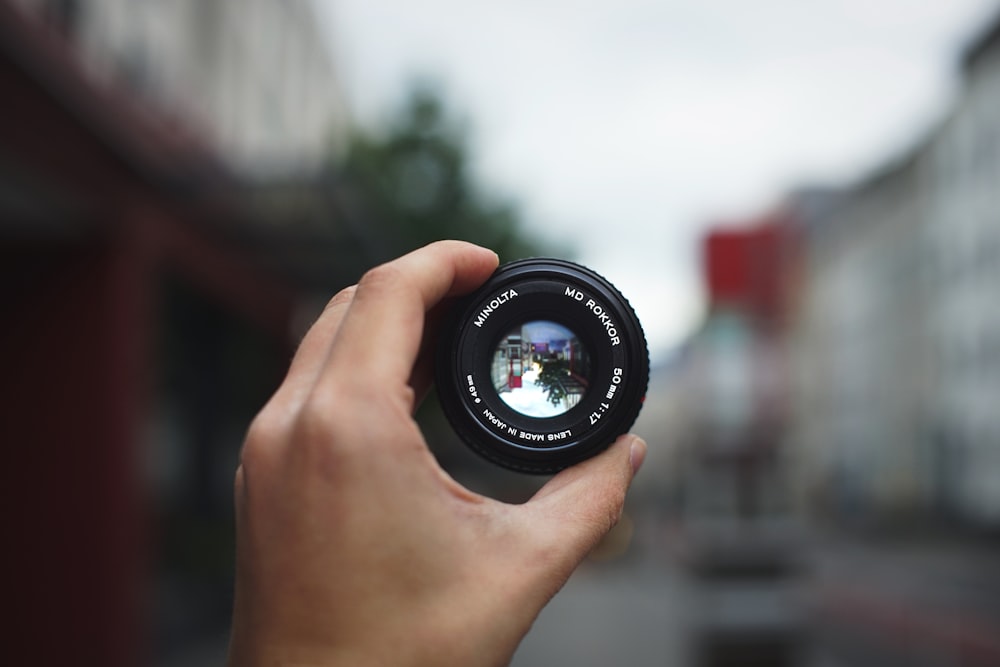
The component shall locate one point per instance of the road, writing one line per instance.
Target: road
(619, 613)
(634, 605)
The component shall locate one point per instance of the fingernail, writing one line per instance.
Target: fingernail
(637, 454)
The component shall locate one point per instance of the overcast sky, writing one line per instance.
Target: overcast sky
(630, 125)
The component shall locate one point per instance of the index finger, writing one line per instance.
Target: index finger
(381, 332)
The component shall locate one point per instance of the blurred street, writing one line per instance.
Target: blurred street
(626, 613)
(635, 601)
(630, 604)
(844, 601)
(802, 205)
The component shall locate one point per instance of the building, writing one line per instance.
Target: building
(737, 537)
(888, 436)
(859, 340)
(961, 243)
(253, 78)
(153, 289)
(896, 334)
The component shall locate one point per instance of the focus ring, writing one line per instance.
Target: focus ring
(543, 366)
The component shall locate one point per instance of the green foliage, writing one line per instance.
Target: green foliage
(553, 377)
(414, 185)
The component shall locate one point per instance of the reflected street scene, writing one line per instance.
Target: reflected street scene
(540, 369)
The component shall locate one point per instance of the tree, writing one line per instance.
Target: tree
(553, 379)
(413, 183)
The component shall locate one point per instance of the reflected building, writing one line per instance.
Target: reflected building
(540, 368)
(508, 371)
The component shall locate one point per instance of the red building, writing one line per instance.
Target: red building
(752, 267)
(147, 312)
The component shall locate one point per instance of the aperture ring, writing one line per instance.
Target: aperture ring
(551, 292)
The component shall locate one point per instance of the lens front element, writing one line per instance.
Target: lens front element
(540, 369)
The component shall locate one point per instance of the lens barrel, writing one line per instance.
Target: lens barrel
(543, 366)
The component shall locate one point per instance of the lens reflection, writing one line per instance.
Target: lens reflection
(540, 369)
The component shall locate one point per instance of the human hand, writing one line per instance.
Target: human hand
(353, 546)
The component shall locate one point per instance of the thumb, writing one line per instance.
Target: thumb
(577, 507)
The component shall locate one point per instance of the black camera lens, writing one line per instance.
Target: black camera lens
(543, 366)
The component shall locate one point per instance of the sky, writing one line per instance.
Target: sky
(627, 127)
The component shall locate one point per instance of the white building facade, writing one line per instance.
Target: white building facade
(858, 342)
(255, 78)
(898, 332)
(962, 247)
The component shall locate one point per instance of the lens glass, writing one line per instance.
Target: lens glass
(540, 369)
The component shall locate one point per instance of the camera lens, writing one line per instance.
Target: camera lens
(543, 366)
